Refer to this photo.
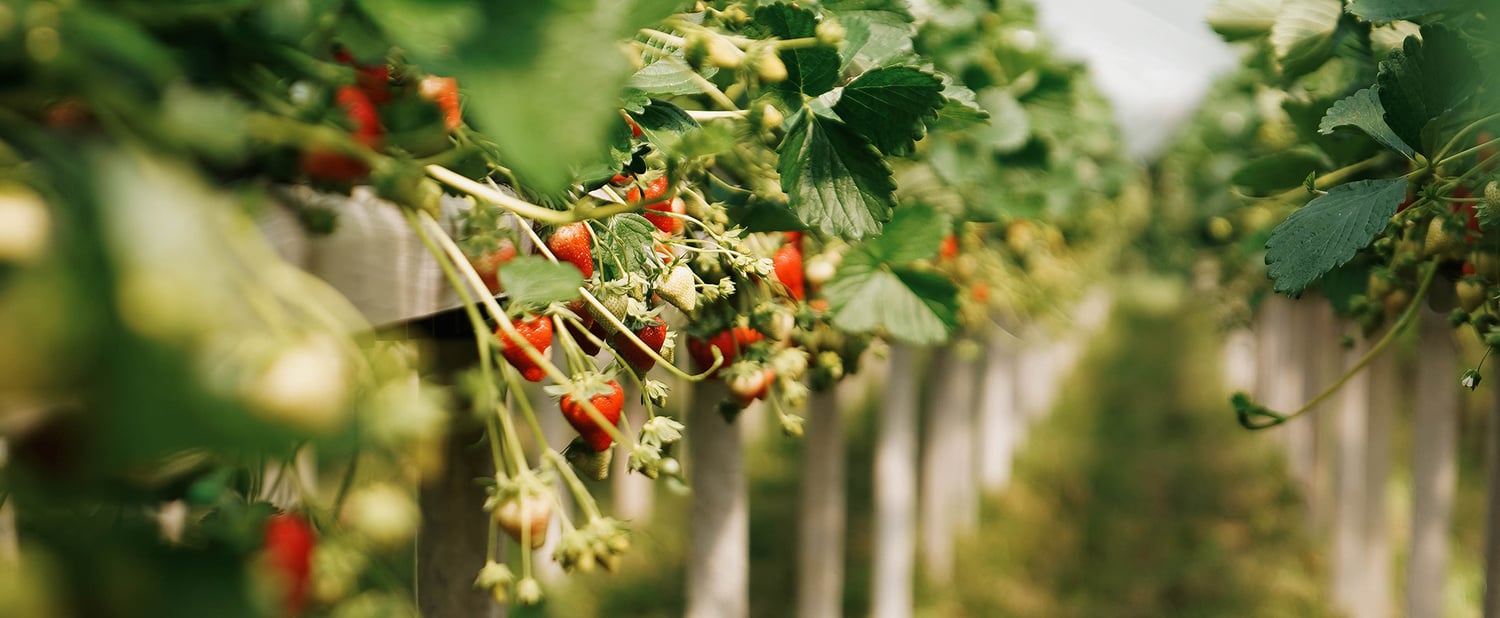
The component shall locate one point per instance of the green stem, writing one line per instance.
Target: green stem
(1468, 128)
(1467, 152)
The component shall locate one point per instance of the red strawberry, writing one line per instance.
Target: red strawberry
(620, 180)
(444, 92)
(635, 129)
(324, 164)
(289, 543)
(788, 263)
(655, 190)
(488, 264)
(373, 79)
(1486, 155)
(537, 332)
(750, 383)
(793, 238)
(572, 243)
(653, 334)
(729, 342)
(607, 402)
(949, 249)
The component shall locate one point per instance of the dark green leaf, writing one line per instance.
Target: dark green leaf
(1343, 283)
(920, 308)
(1329, 230)
(1424, 79)
(888, 106)
(810, 71)
(661, 116)
(1276, 172)
(764, 216)
(836, 181)
(535, 281)
(1362, 110)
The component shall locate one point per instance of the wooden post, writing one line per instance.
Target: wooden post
(820, 539)
(1385, 393)
(451, 541)
(896, 489)
(718, 568)
(1434, 466)
(1492, 504)
(1349, 510)
(996, 438)
(1291, 383)
(945, 465)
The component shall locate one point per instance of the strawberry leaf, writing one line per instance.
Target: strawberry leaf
(1424, 79)
(1302, 35)
(669, 76)
(535, 281)
(916, 307)
(1329, 230)
(1362, 110)
(1391, 10)
(630, 238)
(873, 37)
(1276, 172)
(660, 116)
(1242, 19)
(810, 71)
(959, 103)
(836, 181)
(915, 232)
(888, 106)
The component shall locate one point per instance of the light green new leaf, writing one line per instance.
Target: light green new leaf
(1302, 35)
(1329, 230)
(889, 106)
(914, 232)
(874, 38)
(919, 308)
(1010, 124)
(1242, 19)
(669, 76)
(836, 181)
(959, 103)
(1362, 110)
(535, 281)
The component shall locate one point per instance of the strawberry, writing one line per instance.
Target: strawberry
(750, 381)
(331, 165)
(608, 398)
(788, 264)
(620, 180)
(729, 342)
(373, 79)
(488, 264)
(289, 543)
(525, 510)
(656, 190)
(585, 344)
(1486, 155)
(1471, 292)
(537, 332)
(444, 92)
(1441, 241)
(573, 243)
(653, 334)
(949, 249)
(635, 129)
(677, 288)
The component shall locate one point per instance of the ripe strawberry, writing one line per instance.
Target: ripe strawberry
(980, 291)
(522, 511)
(949, 249)
(653, 334)
(373, 79)
(750, 382)
(324, 164)
(488, 264)
(677, 288)
(635, 129)
(444, 92)
(537, 332)
(729, 342)
(656, 190)
(608, 399)
(788, 264)
(572, 243)
(620, 180)
(289, 543)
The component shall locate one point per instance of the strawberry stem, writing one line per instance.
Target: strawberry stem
(1247, 409)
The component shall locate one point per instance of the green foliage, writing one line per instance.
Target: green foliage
(1329, 230)
(534, 281)
(837, 181)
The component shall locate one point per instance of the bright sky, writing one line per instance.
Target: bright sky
(1154, 59)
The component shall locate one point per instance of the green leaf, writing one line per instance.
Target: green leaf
(1276, 172)
(1302, 35)
(535, 281)
(631, 239)
(1362, 110)
(660, 116)
(836, 181)
(959, 103)
(875, 38)
(669, 76)
(1424, 79)
(920, 308)
(810, 71)
(888, 106)
(1329, 230)
(1391, 10)
(914, 232)
(1242, 19)
(1010, 125)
